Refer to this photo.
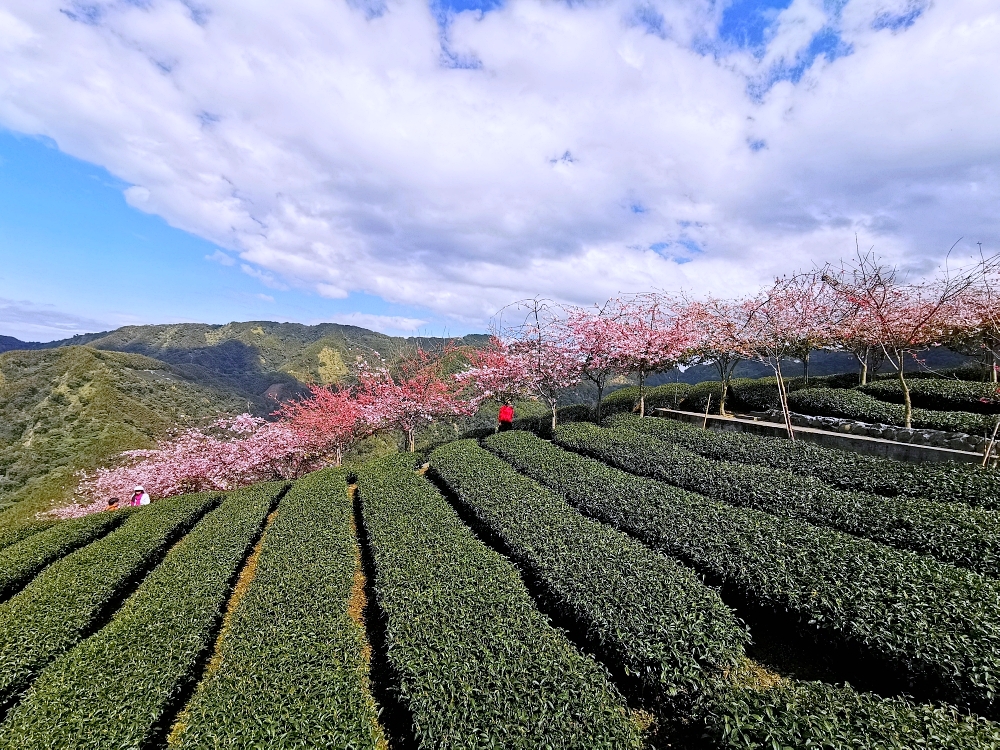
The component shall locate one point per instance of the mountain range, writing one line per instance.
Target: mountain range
(72, 405)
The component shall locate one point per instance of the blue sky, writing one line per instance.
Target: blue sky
(401, 165)
(77, 259)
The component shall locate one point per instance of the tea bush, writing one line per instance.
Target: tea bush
(851, 404)
(942, 482)
(477, 664)
(652, 617)
(934, 623)
(291, 671)
(950, 532)
(151, 647)
(20, 562)
(940, 394)
(56, 610)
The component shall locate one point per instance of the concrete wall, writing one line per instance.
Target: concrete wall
(857, 443)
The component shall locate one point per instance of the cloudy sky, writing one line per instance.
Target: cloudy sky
(412, 166)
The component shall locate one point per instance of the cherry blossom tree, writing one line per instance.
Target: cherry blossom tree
(543, 346)
(724, 331)
(494, 373)
(652, 333)
(980, 338)
(904, 318)
(592, 334)
(231, 453)
(328, 422)
(418, 393)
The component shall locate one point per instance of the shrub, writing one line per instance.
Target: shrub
(150, 649)
(583, 572)
(756, 395)
(901, 613)
(815, 715)
(942, 482)
(21, 562)
(939, 394)
(850, 404)
(56, 610)
(697, 397)
(477, 664)
(676, 640)
(290, 670)
(668, 396)
(951, 532)
(19, 532)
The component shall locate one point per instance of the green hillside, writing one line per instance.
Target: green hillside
(74, 407)
(74, 404)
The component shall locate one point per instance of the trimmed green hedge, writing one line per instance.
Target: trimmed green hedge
(668, 396)
(817, 715)
(653, 618)
(21, 562)
(941, 482)
(904, 614)
(795, 714)
(57, 609)
(851, 404)
(950, 532)
(14, 534)
(148, 652)
(939, 394)
(477, 664)
(292, 672)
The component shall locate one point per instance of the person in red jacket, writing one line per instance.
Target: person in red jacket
(506, 417)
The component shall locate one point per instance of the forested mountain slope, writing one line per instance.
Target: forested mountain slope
(74, 407)
(74, 404)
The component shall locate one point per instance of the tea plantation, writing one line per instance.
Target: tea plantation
(642, 584)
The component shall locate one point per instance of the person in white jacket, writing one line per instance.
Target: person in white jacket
(139, 496)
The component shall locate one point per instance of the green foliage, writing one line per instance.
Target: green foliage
(477, 664)
(57, 609)
(19, 563)
(850, 404)
(815, 715)
(148, 651)
(906, 613)
(756, 395)
(950, 532)
(940, 394)
(19, 532)
(941, 482)
(291, 672)
(651, 617)
(667, 396)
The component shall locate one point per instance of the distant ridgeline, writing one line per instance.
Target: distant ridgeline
(73, 404)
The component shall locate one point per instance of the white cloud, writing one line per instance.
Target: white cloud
(339, 153)
(32, 322)
(392, 324)
(220, 257)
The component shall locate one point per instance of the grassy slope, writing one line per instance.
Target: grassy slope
(75, 404)
(72, 408)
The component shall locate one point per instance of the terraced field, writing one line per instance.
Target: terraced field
(637, 585)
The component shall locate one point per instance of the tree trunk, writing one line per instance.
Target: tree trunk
(864, 368)
(553, 417)
(993, 370)
(600, 396)
(339, 456)
(907, 405)
(783, 397)
(642, 393)
(722, 399)
(410, 441)
(805, 368)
